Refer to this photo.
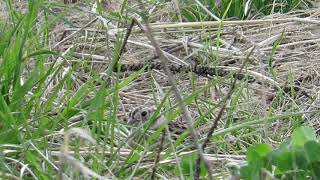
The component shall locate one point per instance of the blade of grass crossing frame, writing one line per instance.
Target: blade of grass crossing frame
(8, 123)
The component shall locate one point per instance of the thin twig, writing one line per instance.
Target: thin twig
(207, 11)
(74, 33)
(114, 63)
(124, 43)
(186, 114)
(157, 160)
(125, 40)
(216, 120)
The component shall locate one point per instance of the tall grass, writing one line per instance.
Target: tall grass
(240, 9)
(53, 126)
(39, 96)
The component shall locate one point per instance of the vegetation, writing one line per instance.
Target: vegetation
(297, 158)
(239, 9)
(65, 98)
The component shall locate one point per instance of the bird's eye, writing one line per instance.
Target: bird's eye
(144, 113)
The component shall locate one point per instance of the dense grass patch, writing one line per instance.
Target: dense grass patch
(65, 103)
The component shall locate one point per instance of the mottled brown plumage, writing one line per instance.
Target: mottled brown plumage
(141, 115)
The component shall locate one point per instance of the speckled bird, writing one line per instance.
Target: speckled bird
(142, 114)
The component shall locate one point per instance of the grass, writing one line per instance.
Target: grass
(238, 9)
(64, 100)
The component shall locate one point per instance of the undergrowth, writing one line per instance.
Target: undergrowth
(60, 113)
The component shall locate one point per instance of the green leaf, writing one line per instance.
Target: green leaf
(246, 172)
(40, 52)
(20, 92)
(289, 159)
(314, 169)
(302, 135)
(312, 150)
(134, 157)
(257, 159)
(296, 175)
(258, 151)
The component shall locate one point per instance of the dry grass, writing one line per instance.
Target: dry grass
(280, 92)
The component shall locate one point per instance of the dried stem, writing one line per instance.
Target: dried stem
(114, 64)
(74, 33)
(157, 160)
(186, 114)
(216, 120)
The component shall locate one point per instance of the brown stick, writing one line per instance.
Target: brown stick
(216, 120)
(157, 160)
(114, 63)
(125, 40)
(186, 114)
